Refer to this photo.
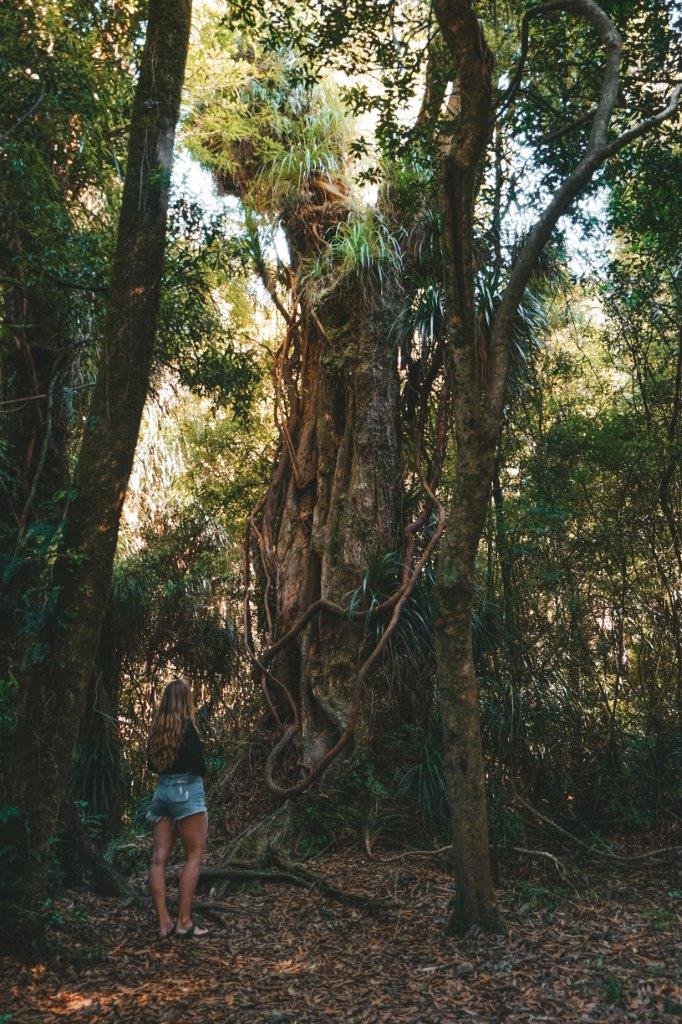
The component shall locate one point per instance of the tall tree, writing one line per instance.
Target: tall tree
(55, 684)
(333, 502)
(480, 377)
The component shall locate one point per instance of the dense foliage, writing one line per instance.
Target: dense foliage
(578, 610)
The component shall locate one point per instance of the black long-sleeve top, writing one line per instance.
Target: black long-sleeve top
(190, 755)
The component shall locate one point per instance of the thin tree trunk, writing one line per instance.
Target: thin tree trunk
(474, 903)
(34, 435)
(514, 640)
(480, 379)
(53, 691)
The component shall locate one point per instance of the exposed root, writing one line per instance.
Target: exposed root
(106, 881)
(546, 855)
(276, 868)
(214, 911)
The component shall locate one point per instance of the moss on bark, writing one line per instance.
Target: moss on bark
(61, 661)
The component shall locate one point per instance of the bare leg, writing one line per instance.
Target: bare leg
(164, 841)
(192, 831)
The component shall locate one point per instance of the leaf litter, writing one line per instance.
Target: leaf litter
(608, 954)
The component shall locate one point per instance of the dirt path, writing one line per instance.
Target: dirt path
(608, 954)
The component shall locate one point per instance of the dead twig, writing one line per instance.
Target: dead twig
(558, 864)
(621, 858)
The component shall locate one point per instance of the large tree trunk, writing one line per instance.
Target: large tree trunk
(53, 691)
(334, 495)
(357, 512)
(341, 505)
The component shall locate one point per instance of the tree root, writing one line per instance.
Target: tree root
(546, 855)
(274, 867)
(106, 881)
(214, 911)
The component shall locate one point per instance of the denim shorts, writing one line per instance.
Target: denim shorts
(177, 796)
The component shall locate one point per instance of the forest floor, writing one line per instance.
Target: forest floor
(603, 947)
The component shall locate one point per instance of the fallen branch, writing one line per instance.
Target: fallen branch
(558, 864)
(347, 897)
(417, 853)
(610, 854)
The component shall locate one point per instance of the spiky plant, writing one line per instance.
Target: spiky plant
(266, 135)
(422, 779)
(364, 249)
(411, 641)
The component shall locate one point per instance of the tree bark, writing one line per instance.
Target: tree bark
(54, 688)
(35, 431)
(340, 507)
(357, 512)
(34, 434)
(474, 903)
(334, 495)
(97, 772)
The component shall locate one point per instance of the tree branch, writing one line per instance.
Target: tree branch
(597, 152)
(473, 63)
(464, 153)
(435, 84)
(611, 41)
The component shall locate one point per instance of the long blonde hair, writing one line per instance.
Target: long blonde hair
(174, 710)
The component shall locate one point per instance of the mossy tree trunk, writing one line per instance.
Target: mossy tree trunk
(333, 500)
(474, 903)
(359, 492)
(334, 495)
(54, 687)
(339, 506)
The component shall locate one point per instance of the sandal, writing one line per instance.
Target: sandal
(191, 933)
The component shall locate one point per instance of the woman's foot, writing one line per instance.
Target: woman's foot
(166, 928)
(187, 930)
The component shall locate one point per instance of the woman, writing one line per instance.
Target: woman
(178, 806)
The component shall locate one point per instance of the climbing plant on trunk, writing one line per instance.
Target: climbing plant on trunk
(333, 500)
